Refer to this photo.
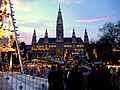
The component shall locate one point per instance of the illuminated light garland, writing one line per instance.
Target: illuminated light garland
(4, 32)
(4, 6)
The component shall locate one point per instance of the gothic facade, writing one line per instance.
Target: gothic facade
(57, 48)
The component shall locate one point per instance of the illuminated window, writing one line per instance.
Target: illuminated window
(82, 45)
(78, 45)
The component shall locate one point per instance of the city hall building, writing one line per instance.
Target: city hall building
(59, 47)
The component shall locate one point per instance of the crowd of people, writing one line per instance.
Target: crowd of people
(82, 78)
(37, 70)
(91, 77)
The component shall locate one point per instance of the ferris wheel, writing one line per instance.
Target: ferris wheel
(8, 27)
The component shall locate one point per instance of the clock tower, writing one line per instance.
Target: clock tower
(59, 36)
(59, 27)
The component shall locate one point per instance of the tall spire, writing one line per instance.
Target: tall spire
(86, 39)
(46, 37)
(59, 27)
(59, 35)
(34, 34)
(46, 33)
(73, 36)
(59, 16)
(59, 7)
(34, 37)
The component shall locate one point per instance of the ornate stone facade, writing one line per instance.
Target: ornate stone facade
(59, 47)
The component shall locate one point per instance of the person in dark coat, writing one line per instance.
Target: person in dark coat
(59, 78)
(106, 83)
(52, 78)
(76, 79)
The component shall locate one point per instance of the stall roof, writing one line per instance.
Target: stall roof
(98, 63)
(61, 62)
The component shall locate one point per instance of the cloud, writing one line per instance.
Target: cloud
(35, 24)
(51, 31)
(29, 0)
(78, 1)
(62, 1)
(25, 34)
(32, 25)
(24, 37)
(27, 40)
(67, 1)
(20, 6)
(97, 19)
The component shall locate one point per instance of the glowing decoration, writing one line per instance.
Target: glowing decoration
(65, 54)
(59, 54)
(87, 55)
(95, 53)
(4, 6)
(10, 62)
(4, 32)
(0, 35)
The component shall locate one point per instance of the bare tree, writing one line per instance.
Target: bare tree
(111, 32)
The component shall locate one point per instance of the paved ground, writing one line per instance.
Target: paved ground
(4, 85)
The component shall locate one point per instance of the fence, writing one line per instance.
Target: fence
(22, 81)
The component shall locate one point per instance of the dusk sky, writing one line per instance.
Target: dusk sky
(77, 14)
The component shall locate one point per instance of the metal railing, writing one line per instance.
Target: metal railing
(22, 81)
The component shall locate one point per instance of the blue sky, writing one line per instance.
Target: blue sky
(77, 14)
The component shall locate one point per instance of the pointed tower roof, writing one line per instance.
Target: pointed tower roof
(86, 35)
(46, 30)
(34, 33)
(85, 31)
(34, 37)
(59, 27)
(73, 34)
(46, 33)
(59, 13)
(59, 7)
(46, 37)
(86, 39)
(34, 30)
